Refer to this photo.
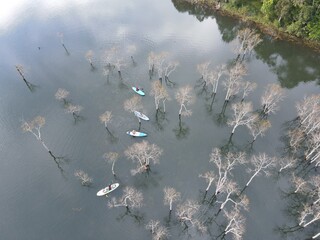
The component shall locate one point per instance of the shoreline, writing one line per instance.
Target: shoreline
(274, 32)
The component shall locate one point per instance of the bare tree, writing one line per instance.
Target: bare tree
(75, 110)
(169, 67)
(89, 56)
(34, 127)
(133, 104)
(246, 88)
(160, 94)
(235, 224)
(231, 192)
(258, 127)
(315, 189)
(224, 166)
(111, 157)
(158, 232)
(261, 164)
(286, 162)
(215, 76)
(62, 94)
(296, 138)
(309, 113)
(60, 35)
(309, 215)
(131, 198)
(312, 152)
(143, 153)
(209, 177)
(299, 184)
(170, 196)
(242, 115)
(271, 97)
(232, 83)
(21, 71)
(83, 177)
(159, 63)
(248, 40)
(205, 72)
(187, 214)
(184, 98)
(106, 118)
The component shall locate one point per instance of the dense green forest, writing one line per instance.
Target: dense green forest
(300, 18)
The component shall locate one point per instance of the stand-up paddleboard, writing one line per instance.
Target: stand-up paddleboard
(135, 133)
(141, 115)
(139, 91)
(108, 189)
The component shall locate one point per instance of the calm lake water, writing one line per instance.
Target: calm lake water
(39, 200)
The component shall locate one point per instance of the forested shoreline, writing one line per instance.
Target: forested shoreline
(294, 20)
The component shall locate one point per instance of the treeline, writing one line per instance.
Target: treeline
(300, 18)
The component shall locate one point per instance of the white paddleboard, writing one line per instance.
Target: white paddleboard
(107, 190)
(141, 115)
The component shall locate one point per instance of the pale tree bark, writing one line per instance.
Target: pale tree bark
(232, 83)
(258, 127)
(260, 164)
(271, 98)
(83, 177)
(185, 98)
(143, 154)
(111, 157)
(131, 198)
(158, 232)
(160, 94)
(187, 214)
(309, 215)
(242, 115)
(170, 196)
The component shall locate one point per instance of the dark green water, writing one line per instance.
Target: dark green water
(39, 201)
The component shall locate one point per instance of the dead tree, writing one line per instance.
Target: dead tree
(242, 115)
(258, 127)
(106, 118)
(187, 214)
(34, 127)
(231, 192)
(89, 56)
(224, 166)
(60, 35)
(309, 113)
(133, 104)
(205, 72)
(170, 196)
(160, 94)
(235, 224)
(158, 232)
(214, 78)
(246, 88)
(260, 164)
(83, 177)
(209, 177)
(131, 198)
(75, 110)
(248, 40)
(232, 83)
(111, 157)
(184, 98)
(143, 154)
(21, 71)
(286, 163)
(309, 215)
(271, 98)
(62, 94)
(169, 68)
